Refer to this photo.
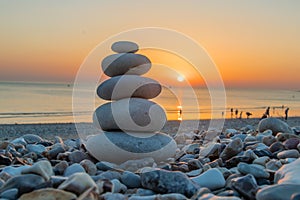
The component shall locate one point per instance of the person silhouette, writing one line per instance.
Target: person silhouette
(231, 111)
(248, 114)
(241, 113)
(286, 112)
(236, 113)
(268, 112)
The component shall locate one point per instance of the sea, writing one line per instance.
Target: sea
(26, 102)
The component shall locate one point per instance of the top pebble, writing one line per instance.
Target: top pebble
(124, 47)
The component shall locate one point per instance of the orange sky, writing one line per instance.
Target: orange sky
(253, 43)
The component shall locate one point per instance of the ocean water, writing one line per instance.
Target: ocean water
(52, 103)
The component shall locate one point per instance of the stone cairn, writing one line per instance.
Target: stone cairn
(130, 123)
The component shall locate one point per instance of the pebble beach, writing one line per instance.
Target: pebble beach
(247, 159)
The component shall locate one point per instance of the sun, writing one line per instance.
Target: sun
(180, 78)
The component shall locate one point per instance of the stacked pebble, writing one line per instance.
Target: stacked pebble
(131, 122)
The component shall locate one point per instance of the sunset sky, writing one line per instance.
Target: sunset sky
(254, 43)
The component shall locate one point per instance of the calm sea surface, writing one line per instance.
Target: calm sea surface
(49, 102)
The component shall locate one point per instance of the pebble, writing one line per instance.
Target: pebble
(77, 156)
(277, 146)
(273, 165)
(212, 179)
(194, 172)
(234, 161)
(232, 149)
(113, 196)
(209, 149)
(60, 167)
(131, 180)
(130, 114)
(163, 181)
(293, 153)
(284, 136)
(10, 194)
(269, 140)
(277, 192)
(295, 196)
(19, 140)
(14, 171)
(77, 183)
(194, 164)
(36, 148)
(291, 143)
(257, 172)
(172, 196)
(125, 63)
(72, 169)
(124, 47)
(56, 149)
(128, 147)
(250, 138)
(89, 167)
(127, 86)
(42, 168)
(57, 180)
(276, 125)
(215, 197)
(24, 183)
(261, 160)
(135, 165)
(32, 138)
(144, 192)
(246, 186)
(289, 173)
(48, 194)
(104, 166)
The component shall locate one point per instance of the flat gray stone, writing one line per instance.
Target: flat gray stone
(277, 192)
(124, 47)
(246, 186)
(276, 125)
(118, 147)
(212, 179)
(232, 149)
(293, 153)
(130, 114)
(72, 169)
(78, 183)
(126, 86)
(125, 63)
(162, 181)
(42, 168)
(36, 148)
(256, 171)
(32, 138)
(131, 180)
(24, 183)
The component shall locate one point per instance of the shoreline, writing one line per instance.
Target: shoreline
(69, 131)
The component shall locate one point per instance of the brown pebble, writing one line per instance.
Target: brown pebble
(291, 143)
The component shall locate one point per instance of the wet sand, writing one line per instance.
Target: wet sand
(68, 130)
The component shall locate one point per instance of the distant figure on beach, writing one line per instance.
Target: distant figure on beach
(267, 113)
(222, 114)
(264, 116)
(241, 113)
(231, 111)
(286, 112)
(236, 113)
(248, 114)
